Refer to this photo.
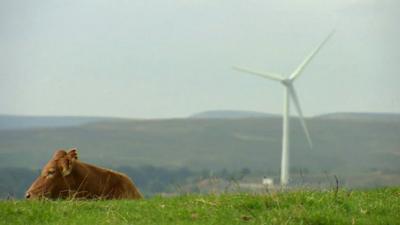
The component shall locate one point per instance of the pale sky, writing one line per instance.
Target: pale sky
(173, 58)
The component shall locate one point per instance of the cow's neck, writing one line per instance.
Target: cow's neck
(81, 173)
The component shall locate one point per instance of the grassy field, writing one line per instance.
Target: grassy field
(379, 206)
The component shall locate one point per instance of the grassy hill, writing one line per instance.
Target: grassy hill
(231, 114)
(340, 144)
(377, 117)
(362, 152)
(11, 122)
(380, 206)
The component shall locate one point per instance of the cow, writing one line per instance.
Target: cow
(64, 176)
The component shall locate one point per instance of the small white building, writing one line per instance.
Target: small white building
(269, 182)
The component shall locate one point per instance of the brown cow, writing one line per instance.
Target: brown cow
(64, 176)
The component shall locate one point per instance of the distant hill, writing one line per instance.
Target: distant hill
(365, 148)
(11, 122)
(231, 114)
(343, 145)
(14, 122)
(388, 117)
(354, 116)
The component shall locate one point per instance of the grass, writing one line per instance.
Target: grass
(379, 206)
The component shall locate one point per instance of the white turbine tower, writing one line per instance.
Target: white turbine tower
(290, 92)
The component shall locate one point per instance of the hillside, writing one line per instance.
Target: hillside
(10, 122)
(379, 206)
(168, 155)
(342, 146)
(381, 117)
(231, 114)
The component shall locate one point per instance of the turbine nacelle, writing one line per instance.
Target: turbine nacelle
(287, 82)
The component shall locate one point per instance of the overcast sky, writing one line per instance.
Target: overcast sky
(172, 58)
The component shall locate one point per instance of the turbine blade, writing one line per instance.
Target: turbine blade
(271, 76)
(302, 66)
(293, 94)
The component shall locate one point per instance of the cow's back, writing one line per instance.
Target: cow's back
(103, 183)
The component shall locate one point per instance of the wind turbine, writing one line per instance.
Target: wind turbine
(290, 92)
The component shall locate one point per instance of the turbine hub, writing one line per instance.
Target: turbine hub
(286, 82)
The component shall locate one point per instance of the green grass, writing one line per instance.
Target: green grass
(379, 206)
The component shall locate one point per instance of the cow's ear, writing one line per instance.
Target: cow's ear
(59, 153)
(73, 154)
(65, 166)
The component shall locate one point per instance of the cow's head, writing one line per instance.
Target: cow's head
(52, 181)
